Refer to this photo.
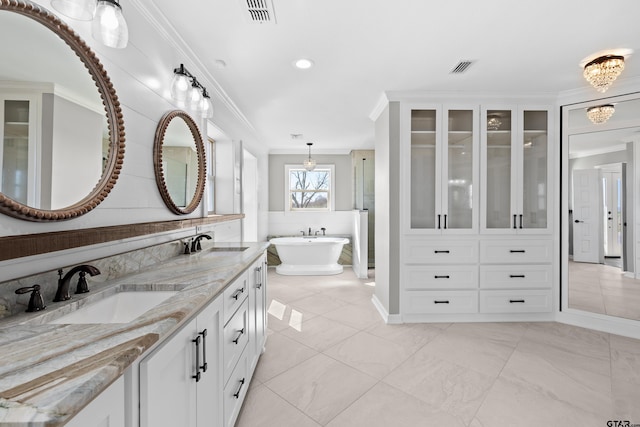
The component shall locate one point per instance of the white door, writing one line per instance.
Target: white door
(586, 218)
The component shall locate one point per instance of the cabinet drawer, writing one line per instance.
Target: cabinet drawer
(441, 277)
(418, 302)
(516, 251)
(446, 252)
(236, 336)
(534, 301)
(234, 296)
(235, 391)
(515, 276)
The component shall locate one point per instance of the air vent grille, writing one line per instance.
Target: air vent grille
(259, 11)
(461, 67)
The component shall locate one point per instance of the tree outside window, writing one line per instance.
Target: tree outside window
(310, 190)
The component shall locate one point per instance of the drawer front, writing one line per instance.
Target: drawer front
(533, 301)
(516, 251)
(236, 336)
(440, 302)
(515, 276)
(236, 390)
(441, 277)
(234, 296)
(445, 252)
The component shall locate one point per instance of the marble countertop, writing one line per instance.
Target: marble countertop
(50, 372)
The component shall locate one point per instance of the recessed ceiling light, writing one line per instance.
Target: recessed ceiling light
(303, 63)
(219, 63)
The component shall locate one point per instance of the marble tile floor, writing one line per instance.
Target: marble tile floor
(331, 361)
(603, 289)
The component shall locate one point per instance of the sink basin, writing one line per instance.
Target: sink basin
(122, 307)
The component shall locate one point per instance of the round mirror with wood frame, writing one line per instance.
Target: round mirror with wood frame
(179, 162)
(112, 159)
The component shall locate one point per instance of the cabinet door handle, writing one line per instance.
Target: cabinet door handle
(204, 350)
(197, 343)
(517, 251)
(440, 252)
(441, 302)
(514, 221)
(237, 393)
(516, 276)
(521, 220)
(237, 339)
(441, 277)
(445, 221)
(237, 293)
(438, 221)
(513, 301)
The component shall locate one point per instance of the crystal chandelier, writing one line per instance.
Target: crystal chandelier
(493, 122)
(601, 113)
(309, 164)
(602, 71)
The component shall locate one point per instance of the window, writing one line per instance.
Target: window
(309, 190)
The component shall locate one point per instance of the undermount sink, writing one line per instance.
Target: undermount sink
(122, 307)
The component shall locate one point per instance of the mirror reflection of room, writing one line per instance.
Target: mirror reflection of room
(601, 264)
(180, 162)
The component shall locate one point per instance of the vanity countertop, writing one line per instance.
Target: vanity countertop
(50, 372)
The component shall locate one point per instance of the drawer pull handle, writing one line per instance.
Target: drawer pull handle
(197, 343)
(516, 276)
(519, 301)
(237, 293)
(237, 393)
(237, 339)
(441, 302)
(441, 252)
(204, 350)
(442, 277)
(517, 251)
(258, 271)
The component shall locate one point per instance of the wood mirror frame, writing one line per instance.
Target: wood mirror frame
(159, 170)
(110, 101)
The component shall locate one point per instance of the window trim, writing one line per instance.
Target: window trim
(287, 190)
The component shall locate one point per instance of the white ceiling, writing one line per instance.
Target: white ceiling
(362, 48)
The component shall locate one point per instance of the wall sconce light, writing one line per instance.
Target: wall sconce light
(309, 164)
(185, 87)
(108, 27)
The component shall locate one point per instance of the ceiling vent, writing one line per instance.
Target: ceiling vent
(258, 11)
(461, 67)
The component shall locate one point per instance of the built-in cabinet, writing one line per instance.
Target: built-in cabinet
(475, 212)
(107, 409)
(200, 376)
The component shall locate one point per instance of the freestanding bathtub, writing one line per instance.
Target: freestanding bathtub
(309, 256)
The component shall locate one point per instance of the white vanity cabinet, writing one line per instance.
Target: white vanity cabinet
(180, 381)
(108, 409)
(257, 282)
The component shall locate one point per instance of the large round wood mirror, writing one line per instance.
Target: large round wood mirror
(179, 162)
(61, 127)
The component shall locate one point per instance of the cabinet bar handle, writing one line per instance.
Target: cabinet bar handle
(441, 277)
(521, 220)
(441, 302)
(517, 251)
(440, 252)
(258, 271)
(204, 350)
(513, 301)
(237, 293)
(237, 393)
(237, 339)
(514, 221)
(445, 221)
(516, 276)
(197, 342)
(438, 221)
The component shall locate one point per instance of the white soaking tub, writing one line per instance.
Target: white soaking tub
(309, 256)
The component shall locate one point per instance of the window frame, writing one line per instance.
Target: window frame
(287, 189)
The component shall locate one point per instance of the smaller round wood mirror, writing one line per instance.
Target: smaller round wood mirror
(179, 162)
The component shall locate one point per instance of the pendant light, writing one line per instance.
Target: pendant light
(309, 164)
(81, 10)
(109, 26)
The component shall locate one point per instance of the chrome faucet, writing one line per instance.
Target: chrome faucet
(195, 244)
(62, 294)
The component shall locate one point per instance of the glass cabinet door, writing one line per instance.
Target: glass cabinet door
(14, 151)
(423, 169)
(459, 170)
(498, 169)
(534, 170)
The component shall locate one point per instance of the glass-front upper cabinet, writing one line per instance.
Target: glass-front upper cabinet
(444, 169)
(515, 170)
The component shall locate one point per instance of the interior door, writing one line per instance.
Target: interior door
(586, 218)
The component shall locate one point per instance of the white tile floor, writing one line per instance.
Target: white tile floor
(604, 289)
(331, 361)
